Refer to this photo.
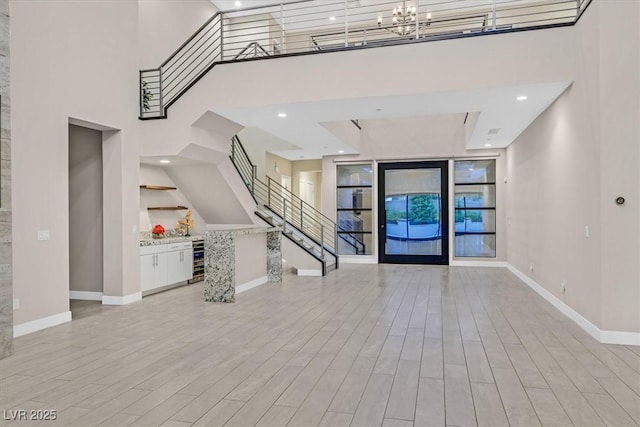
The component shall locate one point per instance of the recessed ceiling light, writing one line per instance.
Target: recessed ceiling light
(487, 145)
(340, 151)
(165, 161)
(470, 169)
(282, 115)
(238, 3)
(332, 18)
(522, 98)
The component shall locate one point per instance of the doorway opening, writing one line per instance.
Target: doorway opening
(85, 219)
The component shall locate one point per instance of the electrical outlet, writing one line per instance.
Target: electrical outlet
(43, 235)
(16, 304)
(563, 286)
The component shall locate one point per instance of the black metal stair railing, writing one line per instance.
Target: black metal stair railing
(312, 26)
(317, 233)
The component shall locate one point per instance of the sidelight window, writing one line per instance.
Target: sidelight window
(475, 208)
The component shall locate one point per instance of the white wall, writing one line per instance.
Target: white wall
(567, 168)
(283, 165)
(165, 25)
(85, 209)
(312, 171)
(208, 191)
(619, 151)
(71, 59)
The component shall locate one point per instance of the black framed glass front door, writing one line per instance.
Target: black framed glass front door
(413, 213)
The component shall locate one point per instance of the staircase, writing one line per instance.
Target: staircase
(300, 222)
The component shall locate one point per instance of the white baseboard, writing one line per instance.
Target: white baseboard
(477, 263)
(85, 295)
(605, 337)
(315, 273)
(251, 284)
(617, 337)
(39, 324)
(357, 259)
(127, 299)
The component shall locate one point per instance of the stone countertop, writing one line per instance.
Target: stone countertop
(167, 240)
(240, 230)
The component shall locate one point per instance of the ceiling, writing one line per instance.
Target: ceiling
(498, 107)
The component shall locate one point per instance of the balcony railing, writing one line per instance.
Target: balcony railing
(316, 26)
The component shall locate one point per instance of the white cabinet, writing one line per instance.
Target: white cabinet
(153, 267)
(179, 262)
(162, 265)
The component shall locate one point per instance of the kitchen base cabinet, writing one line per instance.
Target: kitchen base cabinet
(165, 265)
(179, 262)
(153, 267)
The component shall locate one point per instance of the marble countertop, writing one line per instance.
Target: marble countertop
(167, 240)
(240, 229)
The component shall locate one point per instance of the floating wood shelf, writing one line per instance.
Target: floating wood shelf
(168, 208)
(157, 187)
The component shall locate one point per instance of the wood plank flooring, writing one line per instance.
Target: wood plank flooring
(368, 345)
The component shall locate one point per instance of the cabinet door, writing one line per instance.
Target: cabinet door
(160, 272)
(175, 272)
(187, 264)
(147, 271)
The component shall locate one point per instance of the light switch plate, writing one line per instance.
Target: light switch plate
(43, 234)
(16, 304)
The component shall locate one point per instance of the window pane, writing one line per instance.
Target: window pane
(355, 244)
(350, 198)
(472, 171)
(475, 221)
(352, 221)
(476, 245)
(354, 174)
(476, 196)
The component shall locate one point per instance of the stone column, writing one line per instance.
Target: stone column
(219, 266)
(6, 282)
(220, 261)
(274, 256)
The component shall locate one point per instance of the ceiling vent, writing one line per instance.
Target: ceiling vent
(493, 131)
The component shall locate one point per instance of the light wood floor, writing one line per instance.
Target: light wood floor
(369, 345)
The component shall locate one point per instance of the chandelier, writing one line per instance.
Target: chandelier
(403, 19)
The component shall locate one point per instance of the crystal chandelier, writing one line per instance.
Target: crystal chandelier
(403, 19)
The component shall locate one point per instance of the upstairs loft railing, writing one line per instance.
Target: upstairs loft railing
(317, 26)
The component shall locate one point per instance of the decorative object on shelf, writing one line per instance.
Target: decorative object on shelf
(185, 224)
(157, 232)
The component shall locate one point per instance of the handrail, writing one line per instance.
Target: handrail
(303, 217)
(273, 195)
(193, 36)
(301, 27)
